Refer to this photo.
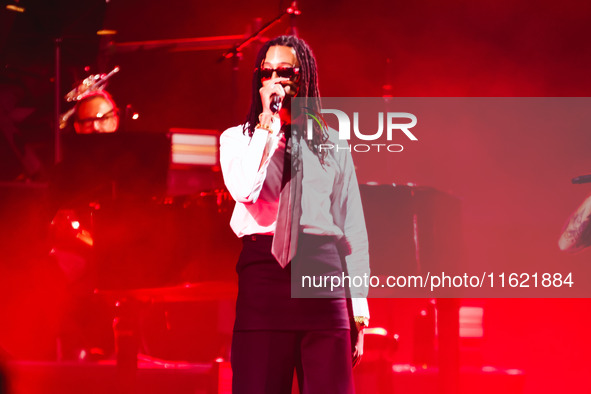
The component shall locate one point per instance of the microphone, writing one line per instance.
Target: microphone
(581, 179)
(276, 103)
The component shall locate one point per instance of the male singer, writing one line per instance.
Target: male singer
(273, 332)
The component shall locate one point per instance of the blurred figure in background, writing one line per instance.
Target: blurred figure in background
(96, 113)
(85, 326)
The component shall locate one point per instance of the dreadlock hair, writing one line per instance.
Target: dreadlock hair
(308, 88)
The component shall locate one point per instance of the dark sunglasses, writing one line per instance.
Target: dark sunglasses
(282, 72)
(86, 122)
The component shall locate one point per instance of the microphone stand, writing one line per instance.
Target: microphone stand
(292, 11)
(57, 156)
(234, 52)
(581, 179)
(209, 43)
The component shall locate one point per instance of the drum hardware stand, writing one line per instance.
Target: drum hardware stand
(210, 43)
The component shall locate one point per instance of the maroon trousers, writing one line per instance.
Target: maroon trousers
(275, 334)
(263, 362)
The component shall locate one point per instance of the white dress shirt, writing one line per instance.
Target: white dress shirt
(331, 203)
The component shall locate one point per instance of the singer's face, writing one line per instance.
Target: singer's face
(279, 57)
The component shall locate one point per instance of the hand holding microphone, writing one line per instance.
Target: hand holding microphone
(276, 103)
(273, 93)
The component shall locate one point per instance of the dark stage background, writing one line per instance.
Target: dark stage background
(515, 189)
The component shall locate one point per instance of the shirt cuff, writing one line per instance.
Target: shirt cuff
(275, 127)
(360, 307)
